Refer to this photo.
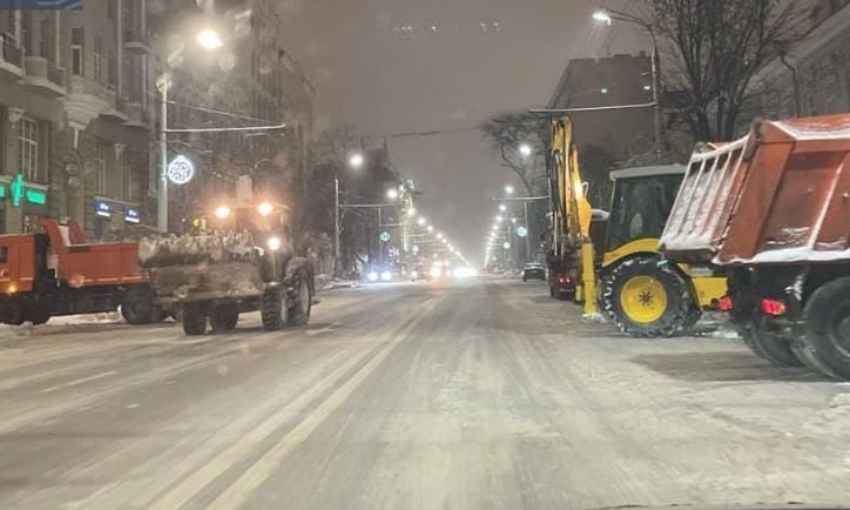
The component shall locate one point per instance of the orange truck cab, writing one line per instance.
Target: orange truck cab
(53, 272)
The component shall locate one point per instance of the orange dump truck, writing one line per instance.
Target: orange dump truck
(773, 209)
(54, 272)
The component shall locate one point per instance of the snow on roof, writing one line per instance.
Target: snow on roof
(832, 127)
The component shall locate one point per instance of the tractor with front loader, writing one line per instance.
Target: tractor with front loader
(643, 293)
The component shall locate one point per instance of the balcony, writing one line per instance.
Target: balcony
(44, 76)
(87, 99)
(135, 43)
(136, 116)
(11, 57)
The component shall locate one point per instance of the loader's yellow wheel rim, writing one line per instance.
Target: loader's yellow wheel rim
(644, 299)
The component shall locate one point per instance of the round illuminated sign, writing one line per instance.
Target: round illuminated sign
(522, 231)
(180, 170)
(385, 236)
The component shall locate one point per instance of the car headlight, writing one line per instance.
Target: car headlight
(386, 276)
(435, 272)
(372, 276)
(415, 274)
(274, 243)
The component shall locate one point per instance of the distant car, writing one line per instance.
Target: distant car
(562, 285)
(534, 272)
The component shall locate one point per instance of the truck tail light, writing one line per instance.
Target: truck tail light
(773, 307)
(564, 279)
(725, 304)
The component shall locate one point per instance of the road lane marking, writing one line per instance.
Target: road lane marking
(239, 492)
(181, 494)
(77, 382)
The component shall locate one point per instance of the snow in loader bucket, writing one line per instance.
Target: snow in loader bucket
(778, 195)
(191, 250)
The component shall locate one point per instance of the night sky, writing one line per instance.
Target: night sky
(398, 66)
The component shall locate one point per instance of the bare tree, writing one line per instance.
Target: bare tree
(712, 50)
(508, 132)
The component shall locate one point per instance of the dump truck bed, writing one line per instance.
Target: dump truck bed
(779, 195)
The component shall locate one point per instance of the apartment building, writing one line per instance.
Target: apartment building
(75, 129)
(79, 109)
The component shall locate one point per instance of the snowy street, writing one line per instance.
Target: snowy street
(480, 393)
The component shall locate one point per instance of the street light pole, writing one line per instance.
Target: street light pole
(527, 233)
(162, 195)
(336, 221)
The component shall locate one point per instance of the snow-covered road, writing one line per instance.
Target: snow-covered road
(482, 393)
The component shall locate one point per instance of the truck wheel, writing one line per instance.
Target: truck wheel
(194, 321)
(224, 317)
(299, 310)
(809, 358)
(769, 347)
(272, 311)
(137, 306)
(645, 299)
(827, 322)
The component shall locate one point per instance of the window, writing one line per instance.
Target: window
(127, 181)
(27, 32)
(44, 39)
(29, 148)
(77, 52)
(97, 59)
(100, 175)
(4, 254)
(110, 9)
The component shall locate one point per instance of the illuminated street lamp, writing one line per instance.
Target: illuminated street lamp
(421, 222)
(525, 150)
(499, 219)
(509, 189)
(356, 161)
(392, 194)
(209, 39)
(430, 228)
(602, 16)
(503, 207)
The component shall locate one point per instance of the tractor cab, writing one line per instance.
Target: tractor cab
(641, 202)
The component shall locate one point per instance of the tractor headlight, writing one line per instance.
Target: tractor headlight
(386, 276)
(372, 276)
(274, 243)
(265, 209)
(222, 212)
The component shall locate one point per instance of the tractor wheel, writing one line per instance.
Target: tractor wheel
(827, 319)
(39, 314)
(645, 299)
(302, 302)
(769, 347)
(137, 306)
(224, 317)
(273, 311)
(194, 320)
(11, 312)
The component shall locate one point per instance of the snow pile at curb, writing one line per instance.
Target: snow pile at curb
(594, 317)
(326, 282)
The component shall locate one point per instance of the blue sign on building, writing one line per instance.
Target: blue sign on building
(41, 5)
(102, 208)
(132, 215)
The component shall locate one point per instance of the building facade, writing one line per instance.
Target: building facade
(604, 82)
(79, 110)
(811, 77)
(73, 123)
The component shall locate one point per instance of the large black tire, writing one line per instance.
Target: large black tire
(646, 299)
(137, 306)
(273, 311)
(194, 321)
(769, 347)
(224, 317)
(38, 315)
(301, 303)
(827, 319)
(808, 357)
